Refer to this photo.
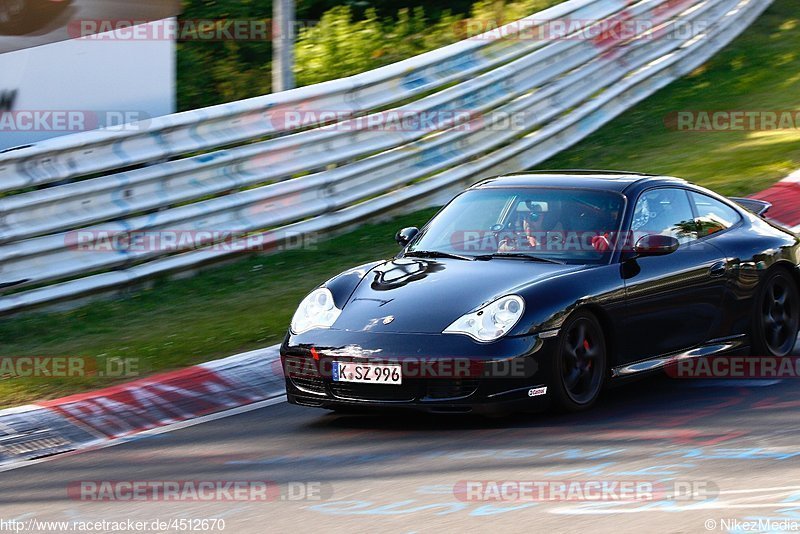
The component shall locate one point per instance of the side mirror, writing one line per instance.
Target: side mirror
(656, 245)
(404, 236)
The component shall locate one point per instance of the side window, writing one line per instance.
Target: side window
(664, 211)
(712, 215)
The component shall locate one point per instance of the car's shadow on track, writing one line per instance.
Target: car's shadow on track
(650, 397)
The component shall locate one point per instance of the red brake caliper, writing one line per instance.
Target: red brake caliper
(587, 347)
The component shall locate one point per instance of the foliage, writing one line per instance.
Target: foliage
(348, 39)
(342, 46)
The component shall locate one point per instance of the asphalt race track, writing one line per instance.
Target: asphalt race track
(735, 442)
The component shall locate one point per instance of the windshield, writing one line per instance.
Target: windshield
(573, 226)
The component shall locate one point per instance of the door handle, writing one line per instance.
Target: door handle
(719, 269)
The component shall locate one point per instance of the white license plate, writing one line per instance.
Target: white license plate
(367, 373)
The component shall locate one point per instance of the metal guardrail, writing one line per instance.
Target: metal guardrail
(563, 89)
(221, 125)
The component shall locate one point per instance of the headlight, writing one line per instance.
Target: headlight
(316, 311)
(491, 322)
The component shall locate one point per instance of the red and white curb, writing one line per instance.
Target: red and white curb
(190, 396)
(164, 401)
(785, 199)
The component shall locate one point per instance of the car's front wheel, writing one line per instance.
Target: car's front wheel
(581, 363)
(777, 316)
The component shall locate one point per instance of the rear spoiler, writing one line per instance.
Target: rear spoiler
(759, 207)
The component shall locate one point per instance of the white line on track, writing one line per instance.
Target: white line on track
(152, 432)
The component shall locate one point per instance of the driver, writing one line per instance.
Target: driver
(534, 223)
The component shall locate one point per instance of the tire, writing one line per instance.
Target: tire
(580, 368)
(776, 319)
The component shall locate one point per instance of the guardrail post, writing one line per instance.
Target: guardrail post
(282, 45)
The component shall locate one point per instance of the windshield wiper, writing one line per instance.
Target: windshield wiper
(518, 255)
(436, 254)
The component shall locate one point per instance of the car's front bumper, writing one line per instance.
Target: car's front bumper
(511, 374)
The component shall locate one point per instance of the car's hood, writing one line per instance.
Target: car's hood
(425, 295)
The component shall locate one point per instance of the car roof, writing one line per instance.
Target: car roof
(617, 181)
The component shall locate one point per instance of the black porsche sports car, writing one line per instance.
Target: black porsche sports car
(538, 290)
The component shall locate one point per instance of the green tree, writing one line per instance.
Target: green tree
(348, 39)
